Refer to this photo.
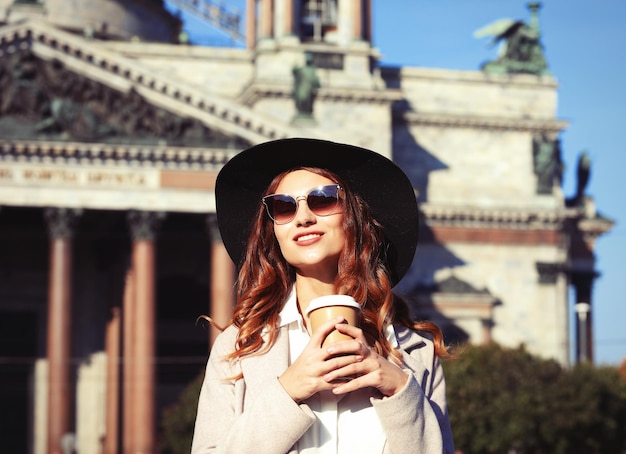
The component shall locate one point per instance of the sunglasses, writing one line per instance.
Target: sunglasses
(322, 201)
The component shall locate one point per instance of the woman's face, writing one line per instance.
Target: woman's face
(312, 244)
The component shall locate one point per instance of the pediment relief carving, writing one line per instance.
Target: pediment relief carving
(121, 73)
(45, 100)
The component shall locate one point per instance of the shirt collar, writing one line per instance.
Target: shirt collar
(390, 334)
(290, 312)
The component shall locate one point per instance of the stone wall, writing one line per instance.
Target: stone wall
(475, 93)
(469, 166)
(528, 312)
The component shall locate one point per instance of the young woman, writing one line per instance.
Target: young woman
(305, 218)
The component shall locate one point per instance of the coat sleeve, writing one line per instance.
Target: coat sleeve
(232, 419)
(416, 419)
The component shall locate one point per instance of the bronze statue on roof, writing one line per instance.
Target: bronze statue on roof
(521, 50)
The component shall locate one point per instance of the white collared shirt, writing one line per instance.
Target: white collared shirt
(344, 424)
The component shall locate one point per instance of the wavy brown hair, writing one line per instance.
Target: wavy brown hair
(266, 279)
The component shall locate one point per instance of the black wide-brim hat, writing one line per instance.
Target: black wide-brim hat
(243, 180)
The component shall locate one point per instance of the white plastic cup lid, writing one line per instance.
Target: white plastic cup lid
(331, 300)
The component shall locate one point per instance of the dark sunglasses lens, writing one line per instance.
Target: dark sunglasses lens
(282, 208)
(323, 201)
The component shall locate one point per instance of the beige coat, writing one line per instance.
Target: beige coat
(256, 415)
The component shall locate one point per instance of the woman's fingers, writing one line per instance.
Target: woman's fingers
(344, 366)
(358, 346)
(304, 377)
(367, 368)
(372, 370)
(350, 330)
(317, 338)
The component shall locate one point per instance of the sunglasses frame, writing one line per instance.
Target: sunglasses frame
(304, 197)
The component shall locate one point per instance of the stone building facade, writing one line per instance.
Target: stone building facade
(109, 150)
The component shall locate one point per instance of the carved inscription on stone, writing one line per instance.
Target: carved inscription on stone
(80, 177)
(48, 176)
(6, 174)
(116, 179)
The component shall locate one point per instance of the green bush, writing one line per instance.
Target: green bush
(592, 411)
(502, 400)
(178, 420)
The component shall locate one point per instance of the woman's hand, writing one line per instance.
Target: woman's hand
(370, 369)
(307, 375)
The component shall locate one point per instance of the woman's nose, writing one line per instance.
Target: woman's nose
(304, 215)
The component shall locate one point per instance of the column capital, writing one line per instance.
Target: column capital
(549, 272)
(61, 221)
(144, 224)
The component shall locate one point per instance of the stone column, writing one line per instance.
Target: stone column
(583, 284)
(357, 20)
(60, 223)
(128, 376)
(222, 280)
(251, 23)
(368, 20)
(267, 18)
(112, 345)
(288, 19)
(143, 226)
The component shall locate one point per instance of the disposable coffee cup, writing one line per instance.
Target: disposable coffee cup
(326, 308)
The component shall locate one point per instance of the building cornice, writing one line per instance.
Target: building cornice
(483, 302)
(261, 90)
(114, 155)
(454, 305)
(549, 125)
(483, 217)
(522, 226)
(469, 77)
(595, 227)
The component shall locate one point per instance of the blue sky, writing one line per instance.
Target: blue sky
(585, 50)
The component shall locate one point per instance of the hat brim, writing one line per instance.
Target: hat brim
(382, 184)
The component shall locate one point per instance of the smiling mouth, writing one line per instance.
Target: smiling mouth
(310, 236)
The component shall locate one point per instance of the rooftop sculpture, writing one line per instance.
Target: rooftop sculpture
(521, 50)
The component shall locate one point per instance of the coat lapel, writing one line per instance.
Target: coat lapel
(259, 369)
(409, 341)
